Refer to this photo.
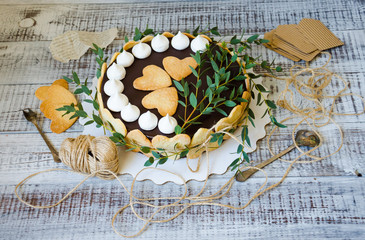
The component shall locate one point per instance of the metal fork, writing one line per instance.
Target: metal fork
(32, 117)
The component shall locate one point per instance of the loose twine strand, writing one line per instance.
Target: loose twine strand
(103, 161)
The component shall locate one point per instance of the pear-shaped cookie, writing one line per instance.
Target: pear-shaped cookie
(153, 78)
(164, 99)
(179, 69)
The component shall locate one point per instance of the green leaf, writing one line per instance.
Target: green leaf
(182, 103)
(88, 100)
(263, 115)
(220, 139)
(221, 111)
(99, 61)
(242, 99)
(73, 116)
(76, 78)
(240, 77)
(278, 69)
(264, 41)
(195, 32)
(251, 114)
(250, 65)
(78, 91)
(148, 31)
(61, 109)
(162, 160)
(184, 153)
(271, 104)
(98, 73)
(245, 156)
(137, 35)
(81, 113)
(261, 88)
(149, 162)
(126, 39)
(208, 110)
(86, 90)
(239, 148)
(145, 149)
(98, 120)
(177, 129)
(96, 105)
(234, 58)
(69, 80)
(215, 31)
(214, 65)
(252, 38)
(118, 135)
(186, 89)
(194, 71)
(251, 120)
(178, 86)
(197, 57)
(235, 41)
(229, 103)
(89, 122)
(209, 81)
(199, 83)
(114, 139)
(193, 100)
(156, 155)
(234, 162)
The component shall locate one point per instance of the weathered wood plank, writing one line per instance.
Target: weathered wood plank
(256, 17)
(304, 208)
(32, 62)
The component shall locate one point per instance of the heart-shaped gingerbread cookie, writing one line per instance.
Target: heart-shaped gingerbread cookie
(153, 78)
(58, 96)
(164, 99)
(179, 69)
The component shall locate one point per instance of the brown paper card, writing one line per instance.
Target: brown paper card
(292, 35)
(269, 45)
(318, 34)
(280, 43)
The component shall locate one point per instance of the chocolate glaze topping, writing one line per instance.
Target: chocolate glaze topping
(135, 96)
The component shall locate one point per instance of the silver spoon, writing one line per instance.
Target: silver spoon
(302, 138)
(32, 117)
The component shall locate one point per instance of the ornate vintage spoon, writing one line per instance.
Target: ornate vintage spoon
(302, 138)
(32, 117)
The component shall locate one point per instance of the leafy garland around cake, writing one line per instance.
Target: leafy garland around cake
(220, 61)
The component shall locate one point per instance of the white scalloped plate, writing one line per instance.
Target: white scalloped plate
(219, 160)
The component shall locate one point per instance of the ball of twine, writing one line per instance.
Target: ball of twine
(88, 154)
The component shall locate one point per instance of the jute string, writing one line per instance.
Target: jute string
(74, 150)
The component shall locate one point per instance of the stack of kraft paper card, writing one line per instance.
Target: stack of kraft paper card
(303, 41)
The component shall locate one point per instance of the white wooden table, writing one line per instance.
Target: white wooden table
(318, 200)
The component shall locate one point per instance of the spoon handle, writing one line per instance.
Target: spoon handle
(51, 148)
(243, 176)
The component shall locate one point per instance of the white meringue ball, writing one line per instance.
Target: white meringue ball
(125, 59)
(180, 41)
(141, 50)
(148, 121)
(160, 43)
(130, 113)
(199, 44)
(117, 102)
(113, 86)
(115, 72)
(167, 124)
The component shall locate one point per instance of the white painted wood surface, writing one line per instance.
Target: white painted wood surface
(317, 200)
